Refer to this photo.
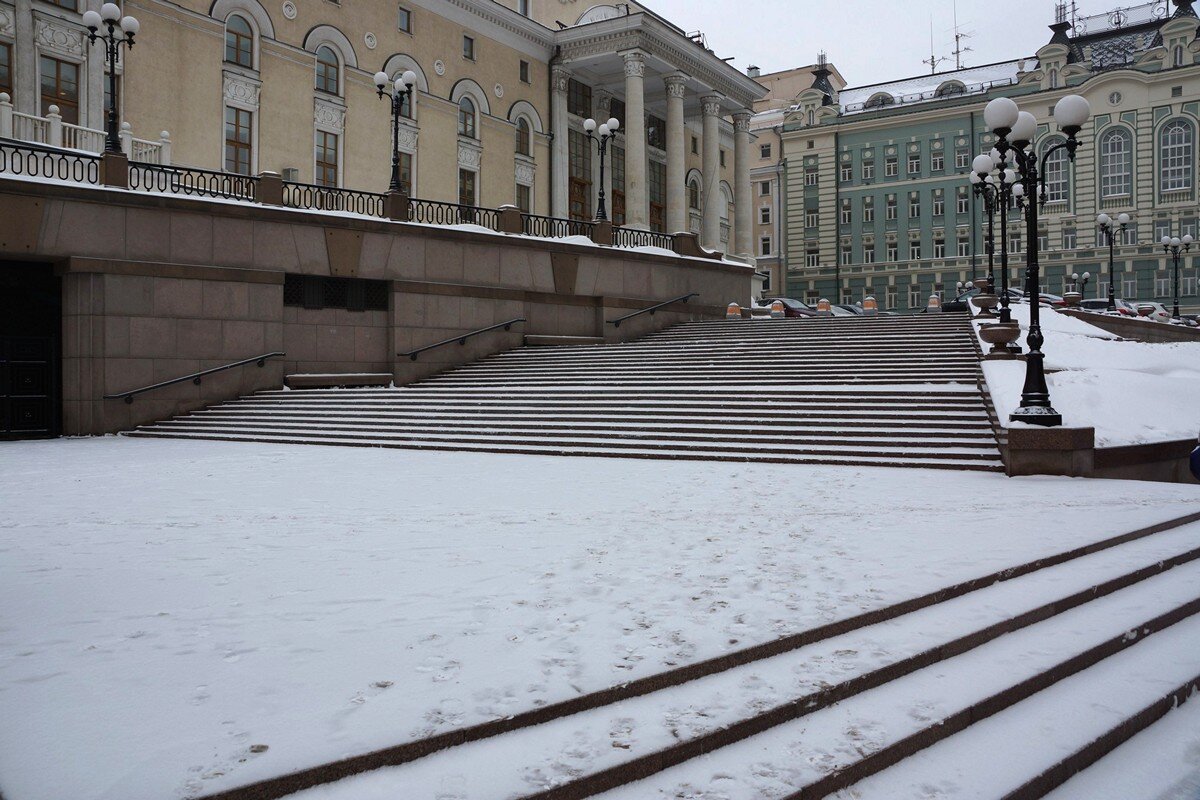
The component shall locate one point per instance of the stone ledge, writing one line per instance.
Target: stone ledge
(1058, 438)
(334, 380)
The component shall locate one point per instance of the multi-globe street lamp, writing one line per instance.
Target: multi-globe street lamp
(1171, 246)
(1081, 281)
(1015, 131)
(400, 91)
(110, 17)
(607, 131)
(1105, 222)
(995, 184)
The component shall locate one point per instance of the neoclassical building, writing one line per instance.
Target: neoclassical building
(496, 116)
(877, 198)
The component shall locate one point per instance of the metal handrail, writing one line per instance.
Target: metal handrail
(412, 354)
(616, 323)
(194, 377)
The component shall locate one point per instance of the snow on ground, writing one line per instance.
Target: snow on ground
(1130, 392)
(167, 608)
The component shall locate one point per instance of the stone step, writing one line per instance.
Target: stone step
(539, 340)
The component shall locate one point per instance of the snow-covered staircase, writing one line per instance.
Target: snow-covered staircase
(898, 391)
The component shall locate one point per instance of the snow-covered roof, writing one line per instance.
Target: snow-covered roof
(923, 88)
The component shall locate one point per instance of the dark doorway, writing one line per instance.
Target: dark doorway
(30, 348)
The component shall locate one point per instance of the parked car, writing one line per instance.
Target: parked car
(1123, 307)
(851, 308)
(1159, 314)
(791, 307)
(842, 311)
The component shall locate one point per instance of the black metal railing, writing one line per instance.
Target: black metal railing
(195, 377)
(616, 323)
(629, 237)
(191, 181)
(435, 212)
(39, 161)
(412, 354)
(555, 227)
(328, 198)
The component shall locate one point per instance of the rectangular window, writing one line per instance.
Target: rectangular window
(962, 159)
(869, 254)
(914, 207)
(524, 72)
(914, 250)
(469, 48)
(764, 151)
(847, 295)
(721, 157)
(764, 246)
(939, 247)
(1068, 239)
(656, 183)
(579, 99)
(60, 87)
(939, 204)
(811, 176)
(847, 173)
(6, 68)
(812, 296)
(890, 298)
(847, 213)
(1043, 242)
(893, 251)
(1130, 287)
(695, 146)
(1187, 285)
(868, 170)
(1162, 228)
(1162, 287)
(238, 130)
(404, 20)
(811, 219)
(764, 216)
(1130, 235)
(914, 296)
(890, 210)
(764, 189)
(1014, 243)
(868, 209)
(963, 203)
(466, 187)
(890, 168)
(406, 173)
(316, 292)
(579, 156)
(937, 162)
(656, 134)
(964, 248)
(914, 163)
(812, 258)
(847, 255)
(524, 198)
(327, 159)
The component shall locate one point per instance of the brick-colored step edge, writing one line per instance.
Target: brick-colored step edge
(651, 763)
(281, 786)
(961, 720)
(1092, 752)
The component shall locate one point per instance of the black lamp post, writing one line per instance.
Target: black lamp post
(997, 192)
(1015, 131)
(607, 131)
(1171, 246)
(399, 91)
(1106, 227)
(1081, 281)
(110, 17)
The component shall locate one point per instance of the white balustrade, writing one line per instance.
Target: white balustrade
(52, 131)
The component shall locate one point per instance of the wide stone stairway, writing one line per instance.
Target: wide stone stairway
(897, 391)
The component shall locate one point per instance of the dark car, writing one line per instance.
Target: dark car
(853, 309)
(792, 308)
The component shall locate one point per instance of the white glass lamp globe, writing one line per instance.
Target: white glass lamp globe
(982, 164)
(603, 129)
(613, 124)
(1187, 238)
(974, 178)
(92, 20)
(1024, 129)
(381, 80)
(997, 157)
(1087, 276)
(1018, 190)
(1166, 241)
(1001, 114)
(1010, 176)
(110, 12)
(1104, 219)
(130, 25)
(1075, 276)
(1123, 218)
(991, 179)
(1072, 111)
(410, 78)
(589, 125)
(399, 83)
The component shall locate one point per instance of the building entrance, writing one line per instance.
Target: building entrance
(30, 347)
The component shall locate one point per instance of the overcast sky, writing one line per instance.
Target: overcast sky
(868, 40)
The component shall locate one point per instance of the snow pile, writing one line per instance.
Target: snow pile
(1130, 392)
(169, 608)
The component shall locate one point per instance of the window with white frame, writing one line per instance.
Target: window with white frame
(764, 246)
(890, 298)
(847, 213)
(962, 159)
(1068, 239)
(1176, 156)
(868, 209)
(914, 163)
(890, 167)
(1187, 285)
(893, 251)
(962, 203)
(914, 296)
(1043, 242)
(811, 219)
(1162, 227)
(764, 215)
(964, 247)
(764, 151)
(847, 295)
(1162, 287)
(1129, 286)
(1014, 243)
(869, 254)
(1057, 173)
(939, 247)
(811, 176)
(914, 206)
(939, 203)
(868, 170)
(847, 173)
(890, 209)
(1129, 235)
(914, 250)
(764, 189)
(812, 258)
(1116, 163)
(847, 254)
(937, 161)
(327, 70)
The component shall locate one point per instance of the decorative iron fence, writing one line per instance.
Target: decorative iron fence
(433, 212)
(629, 237)
(37, 161)
(555, 228)
(328, 198)
(191, 181)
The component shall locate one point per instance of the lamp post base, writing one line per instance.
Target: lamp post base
(1045, 416)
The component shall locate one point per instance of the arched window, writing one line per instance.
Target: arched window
(327, 70)
(524, 137)
(950, 88)
(1177, 56)
(239, 42)
(879, 100)
(1053, 79)
(1176, 156)
(1116, 163)
(1057, 174)
(466, 118)
(694, 194)
(812, 117)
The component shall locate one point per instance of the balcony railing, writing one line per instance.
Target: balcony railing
(51, 131)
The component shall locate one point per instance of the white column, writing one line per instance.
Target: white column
(26, 92)
(560, 172)
(676, 154)
(637, 196)
(94, 112)
(710, 228)
(743, 224)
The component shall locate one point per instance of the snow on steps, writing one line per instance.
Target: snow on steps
(886, 702)
(885, 391)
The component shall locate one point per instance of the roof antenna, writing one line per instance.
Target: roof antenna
(933, 59)
(958, 37)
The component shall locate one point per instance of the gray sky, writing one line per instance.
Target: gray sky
(868, 40)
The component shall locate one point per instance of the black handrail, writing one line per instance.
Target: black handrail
(616, 323)
(194, 377)
(412, 354)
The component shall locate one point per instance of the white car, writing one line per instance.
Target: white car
(1159, 314)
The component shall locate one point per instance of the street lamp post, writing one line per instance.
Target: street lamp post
(1106, 227)
(1171, 246)
(1081, 281)
(996, 182)
(1015, 131)
(399, 90)
(607, 131)
(110, 17)
(983, 190)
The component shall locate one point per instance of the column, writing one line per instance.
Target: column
(710, 228)
(560, 162)
(676, 154)
(637, 196)
(26, 91)
(95, 113)
(743, 225)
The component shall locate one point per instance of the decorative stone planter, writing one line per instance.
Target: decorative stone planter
(986, 303)
(1073, 299)
(1000, 337)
